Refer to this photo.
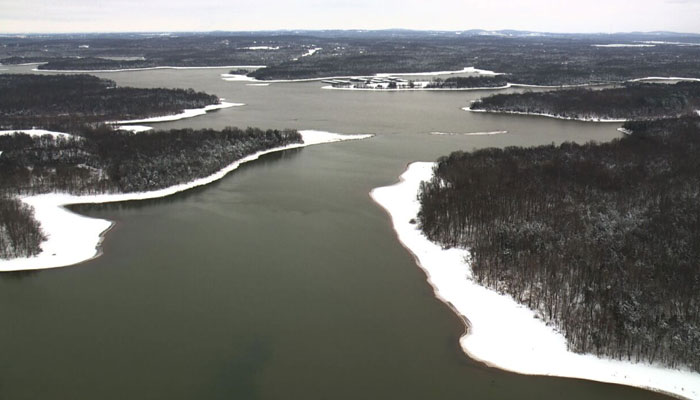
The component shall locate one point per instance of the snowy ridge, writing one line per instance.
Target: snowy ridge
(74, 238)
(503, 333)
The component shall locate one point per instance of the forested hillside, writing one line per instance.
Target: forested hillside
(603, 240)
(634, 101)
(62, 102)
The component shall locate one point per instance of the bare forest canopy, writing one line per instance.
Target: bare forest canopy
(62, 102)
(602, 240)
(20, 233)
(526, 57)
(633, 101)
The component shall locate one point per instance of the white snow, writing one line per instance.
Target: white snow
(547, 115)
(309, 52)
(135, 128)
(503, 333)
(470, 70)
(623, 45)
(238, 77)
(682, 44)
(261, 48)
(139, 69)
(74, 238)
(36, 132)
(194, 112)
(257, 84)
(469, 133)
(416, 89)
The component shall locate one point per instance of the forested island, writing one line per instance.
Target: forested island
(633, 101)
(601, 240)
(101, 160)
(65, 102)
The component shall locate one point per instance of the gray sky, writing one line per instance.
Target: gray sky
(206, 15)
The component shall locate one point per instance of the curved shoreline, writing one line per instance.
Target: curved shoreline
(502, 333)
(601, 120)
(73, 238)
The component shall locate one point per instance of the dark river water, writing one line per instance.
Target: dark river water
(281, 281)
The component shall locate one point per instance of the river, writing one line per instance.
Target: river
(284, 280)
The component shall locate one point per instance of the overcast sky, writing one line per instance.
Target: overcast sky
(19, 16)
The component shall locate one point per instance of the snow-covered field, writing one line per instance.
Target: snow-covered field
(194, 112)
(503, 333)
(74, 238)
(546, 115)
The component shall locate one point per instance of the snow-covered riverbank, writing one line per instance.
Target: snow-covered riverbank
(503, 333)
(74, 238)
(548, 116)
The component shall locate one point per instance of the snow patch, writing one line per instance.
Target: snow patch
(503, 333)
(74, 238)
(135, 128)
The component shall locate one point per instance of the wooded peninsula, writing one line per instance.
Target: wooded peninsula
(601, 240)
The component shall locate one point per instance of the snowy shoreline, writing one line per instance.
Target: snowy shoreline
(188, 113)
(602, 120)
(74, 238)
(73, 71)
(502, 333)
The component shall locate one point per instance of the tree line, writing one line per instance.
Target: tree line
(633, 101)
(602, 240)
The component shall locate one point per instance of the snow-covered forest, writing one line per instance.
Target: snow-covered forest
(603, 240)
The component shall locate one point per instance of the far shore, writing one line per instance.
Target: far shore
(98, 71)
(500, 332)
(74, 238)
